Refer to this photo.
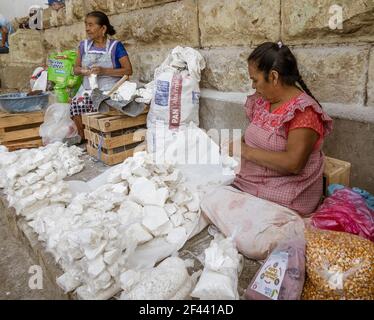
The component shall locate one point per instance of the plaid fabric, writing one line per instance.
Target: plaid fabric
(81, 105)
(301, 192)
(302, 119)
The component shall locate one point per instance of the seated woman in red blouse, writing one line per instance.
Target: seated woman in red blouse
(281, 155)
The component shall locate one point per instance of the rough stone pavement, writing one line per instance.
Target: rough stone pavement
(14, 266)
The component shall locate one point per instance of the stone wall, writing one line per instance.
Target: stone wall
(337, 65)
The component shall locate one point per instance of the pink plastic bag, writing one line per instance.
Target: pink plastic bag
(345, 211)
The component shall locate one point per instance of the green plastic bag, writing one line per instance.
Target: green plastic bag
(61, 73)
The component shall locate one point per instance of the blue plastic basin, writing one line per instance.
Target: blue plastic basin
(20, 102)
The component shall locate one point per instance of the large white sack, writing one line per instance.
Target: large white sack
(176, 91)
(261, 224)
(184, 56)
(175, 101)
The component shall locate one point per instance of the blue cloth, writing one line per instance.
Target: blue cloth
(50, 2)
(120, 53)
(333, 187)
(368, 197)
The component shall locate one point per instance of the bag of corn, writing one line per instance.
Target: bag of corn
(338, 266)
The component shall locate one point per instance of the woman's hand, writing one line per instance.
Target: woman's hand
(84, 72)
(97, 70)
(81, 71)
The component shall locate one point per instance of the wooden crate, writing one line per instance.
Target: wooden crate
(336, 171)
(20, 130)
(114, 112)
(112, 139)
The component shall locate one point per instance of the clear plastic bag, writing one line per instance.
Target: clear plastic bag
(282, 275)
(338, 266)
(219, 279)
(170, 280)
(345, 210)
(57, 124)
(40, 82)
(38, 79)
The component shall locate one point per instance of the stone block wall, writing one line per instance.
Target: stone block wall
(336, 64)
(27, 52)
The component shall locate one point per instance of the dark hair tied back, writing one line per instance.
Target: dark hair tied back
(278, 57)
(103, 20)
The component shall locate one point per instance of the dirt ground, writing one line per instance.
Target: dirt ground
(15, 263)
